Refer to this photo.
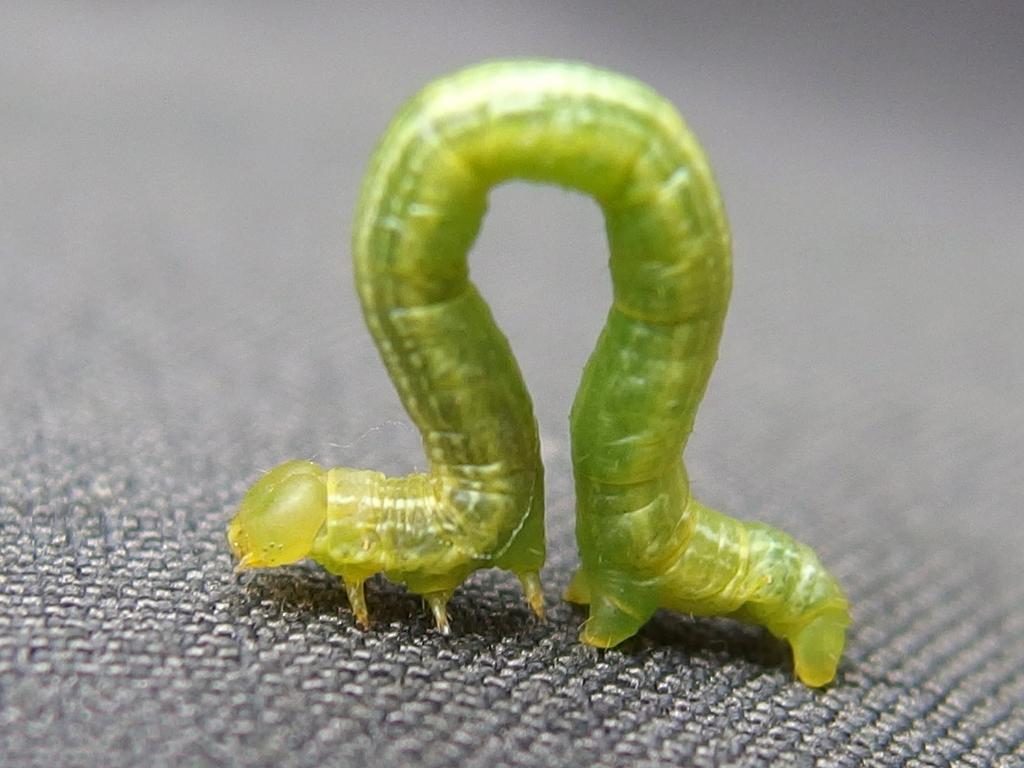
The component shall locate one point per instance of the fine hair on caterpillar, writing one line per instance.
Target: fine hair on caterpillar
(644, 542)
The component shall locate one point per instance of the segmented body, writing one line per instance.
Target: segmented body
(644, 542)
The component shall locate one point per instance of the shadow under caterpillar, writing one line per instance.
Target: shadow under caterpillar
(644, 541)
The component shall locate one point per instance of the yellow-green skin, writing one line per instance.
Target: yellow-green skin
(644, 541)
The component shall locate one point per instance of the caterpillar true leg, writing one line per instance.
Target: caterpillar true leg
(644, 542)
(438, 602)
(357, 601)
(533, 591)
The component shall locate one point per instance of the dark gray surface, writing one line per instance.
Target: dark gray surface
(177, 312)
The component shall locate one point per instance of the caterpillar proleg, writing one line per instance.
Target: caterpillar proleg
(644, 542)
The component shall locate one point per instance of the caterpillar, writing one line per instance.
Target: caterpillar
(644, 541)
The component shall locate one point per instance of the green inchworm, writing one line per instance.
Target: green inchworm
(644, 542)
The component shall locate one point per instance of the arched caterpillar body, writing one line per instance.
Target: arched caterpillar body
(644, 542)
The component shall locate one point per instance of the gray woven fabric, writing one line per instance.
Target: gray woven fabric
(177, 313)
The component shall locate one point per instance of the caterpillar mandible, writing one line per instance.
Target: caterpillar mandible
(644, 542)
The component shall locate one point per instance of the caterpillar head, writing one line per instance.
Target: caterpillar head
(280, 516)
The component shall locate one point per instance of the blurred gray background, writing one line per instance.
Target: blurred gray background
(177, 312)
